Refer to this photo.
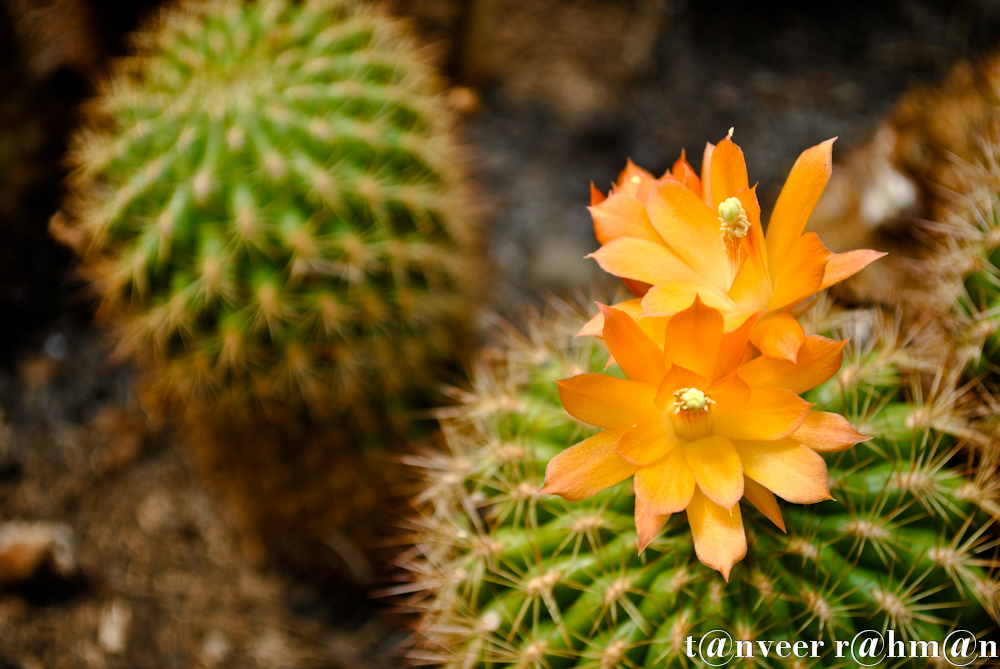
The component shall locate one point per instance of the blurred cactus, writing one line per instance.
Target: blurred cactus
(503, 576)
(268, 202)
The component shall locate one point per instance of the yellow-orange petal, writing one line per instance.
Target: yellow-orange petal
(706, 175)
(666, 299)
(733, 348)
(606, 401)
(729, 172)
(719, 539)
(677, 377)
(771, 413)
(729, 393)
(800, 273)
(690, 229)
(844, 265)
(647, 524)
(640, 358)
(827, 432)
(717, 469)
(802, 189)
(596, 196)
(632, 174)
(649, 439)
(595, 326)
(644, 260)
(818, 360)
(764, 501)
(685, 174)
(587, 468)
(779, 335)
(693, 337)
(622, 215)
(666, 486)
(751, 286)
(793, 472)
(637, 288)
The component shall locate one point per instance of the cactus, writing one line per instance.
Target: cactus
(269, 206)
(503, 576)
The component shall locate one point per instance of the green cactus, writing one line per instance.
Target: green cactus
(504, 576)
(270, 205)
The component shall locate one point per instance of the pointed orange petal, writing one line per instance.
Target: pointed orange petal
(622, 215)
(751, 287)
(693, 337)
(644, 261)
(764, 500)
(717, 469)
(733, 347)
(596, 196)
(666, 486)
(719, 539)
(778, 335)
(730, 393)
(629, 174)
(648, 440)
(647, 524)
(587, 468)
(640, 358)
(794, 472)
(666, 299)
(844, 265)
(818, 360)
(729, 172)
(595, 326)
(690, 229)
(802, 189)
(706, 175)
(800, 273)
(685, 174)
(771, 413)
(637, 288)
(605, 401)
(827, 432)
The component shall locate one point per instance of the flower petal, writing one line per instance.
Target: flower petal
(640, 358)
(622, 215)
(827, 432)
(596, 196)
(771, 413)
(605, 401)
(666, 486)
(690, 229)
(779, 335)
(790, 470)
(648, 440)
(706, 175)
(676, 378)
(764, 501)
(730, 393)
(800, 273)
(818, 360)
(693, 337)
(587, 468)
(802, 189)
(729, 172)
(666, 299)
(685, 174)
(751, 287)
(733, 347)
(647, 524)
(595, 326)
(717, 469)
(844, 265)
(719, 539)
(644, 260)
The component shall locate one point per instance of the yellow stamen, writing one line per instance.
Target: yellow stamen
(733, 218)
(692, 414)
(691, 399)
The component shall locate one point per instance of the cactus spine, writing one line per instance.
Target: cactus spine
(506, 577)
(269, 205)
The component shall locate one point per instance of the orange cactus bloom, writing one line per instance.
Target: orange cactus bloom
(679, 236)
(700, 428)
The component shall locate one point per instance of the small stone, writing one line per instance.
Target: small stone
(216, 648)
(26, 547)
(112, 634)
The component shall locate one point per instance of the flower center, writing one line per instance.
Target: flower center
(733, 218)
(692, 413)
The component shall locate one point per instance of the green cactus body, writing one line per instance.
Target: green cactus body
(270, 206)
(508, 577)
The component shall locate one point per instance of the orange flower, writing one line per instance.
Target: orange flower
(700, 429)
(679, 236)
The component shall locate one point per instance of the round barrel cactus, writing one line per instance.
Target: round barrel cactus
(269, 203)
(506, 577)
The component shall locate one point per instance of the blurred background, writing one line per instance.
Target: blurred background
(112, 554)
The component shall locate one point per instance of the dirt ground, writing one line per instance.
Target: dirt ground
(564, 91)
